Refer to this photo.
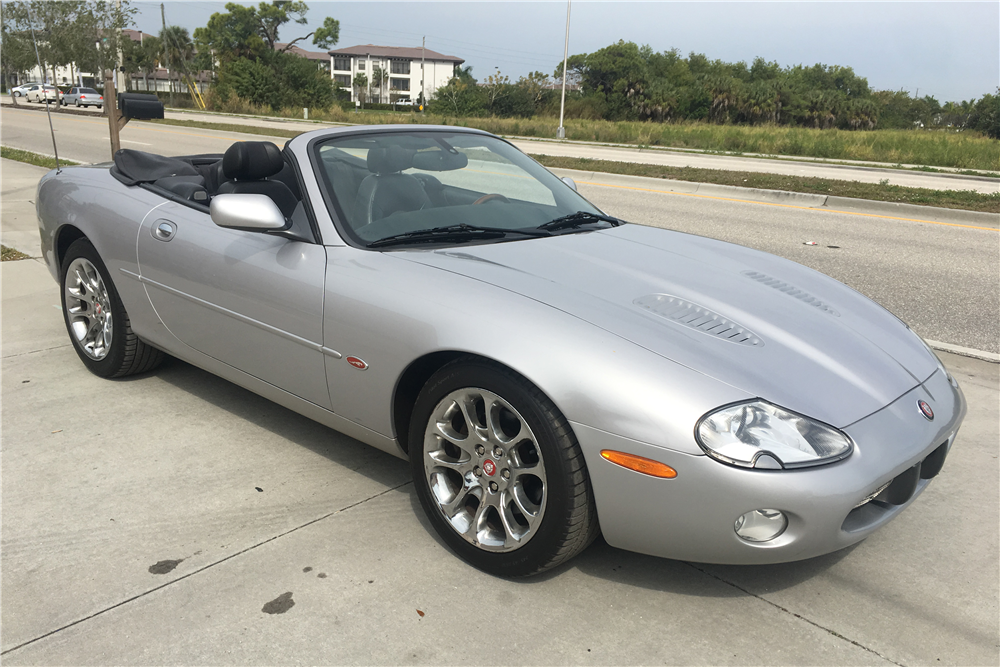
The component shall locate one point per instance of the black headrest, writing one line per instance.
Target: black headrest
(389, 160)
(252, 161)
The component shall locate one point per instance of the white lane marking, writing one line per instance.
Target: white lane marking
(130, 141)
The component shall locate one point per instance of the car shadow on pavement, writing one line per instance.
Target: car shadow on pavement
(343, 450)
(687, 578)
(599, 560)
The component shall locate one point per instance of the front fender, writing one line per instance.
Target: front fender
(389, 312)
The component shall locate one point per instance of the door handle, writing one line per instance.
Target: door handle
(163, 230)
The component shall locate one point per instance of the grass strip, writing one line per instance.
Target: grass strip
(33, 158)
(231, 127)
(932, 148)
(9, 254)
(967, 200)
(288, 134)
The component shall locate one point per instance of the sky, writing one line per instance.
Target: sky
(950, 50)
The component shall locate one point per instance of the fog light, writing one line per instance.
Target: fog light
(761, 525)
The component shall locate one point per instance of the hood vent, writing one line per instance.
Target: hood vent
(699, 318)
(790, 290)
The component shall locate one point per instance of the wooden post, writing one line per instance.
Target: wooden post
(111, 104)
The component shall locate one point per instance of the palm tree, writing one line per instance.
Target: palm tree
(177, 52)
(149, 57)
(380, 79)
(361, 84)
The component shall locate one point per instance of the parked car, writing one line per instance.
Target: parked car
(22, 90)
(83, 97)
(43, 93)
(548, 370)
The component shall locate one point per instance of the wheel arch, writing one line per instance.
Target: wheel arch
(65, 237)
(416, 375)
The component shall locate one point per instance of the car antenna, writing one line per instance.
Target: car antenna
(45, 77)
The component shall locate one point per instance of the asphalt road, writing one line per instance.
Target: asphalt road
(914, 179)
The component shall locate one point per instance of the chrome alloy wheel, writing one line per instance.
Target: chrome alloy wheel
(484, 469)
(88, 309)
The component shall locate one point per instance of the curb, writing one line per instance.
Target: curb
(910, 210)
(71, 111)
(842, 163)
(982, 355)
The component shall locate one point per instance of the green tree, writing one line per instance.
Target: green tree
(249, 32)
(380, 79)
(177, 53)
(985, 115)
(17, 54)
(361, 86)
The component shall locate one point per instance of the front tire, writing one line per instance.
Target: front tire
(96, 319)
(498, 470)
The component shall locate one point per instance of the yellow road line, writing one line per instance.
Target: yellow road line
(804, 208)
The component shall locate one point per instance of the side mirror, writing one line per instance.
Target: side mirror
(570, 182)
(247, 212)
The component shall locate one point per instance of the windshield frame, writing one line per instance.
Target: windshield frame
(347, 233)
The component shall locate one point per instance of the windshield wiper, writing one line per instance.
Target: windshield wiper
(578, 219)
(461, 232)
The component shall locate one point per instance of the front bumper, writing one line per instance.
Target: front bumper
(692, 516)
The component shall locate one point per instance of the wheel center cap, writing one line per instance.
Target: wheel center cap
(489, 467)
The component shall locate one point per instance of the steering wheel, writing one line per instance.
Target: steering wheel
(491, 197)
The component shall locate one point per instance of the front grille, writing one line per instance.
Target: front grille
(897, 492)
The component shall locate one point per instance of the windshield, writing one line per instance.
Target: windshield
(444, 188)
(88, 91)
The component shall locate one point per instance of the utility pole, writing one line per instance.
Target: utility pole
(119, 73)
(423, 100)
(561, 131)
(170, 83)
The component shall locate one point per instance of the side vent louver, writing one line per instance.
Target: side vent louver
(699, 318)
(790, 290)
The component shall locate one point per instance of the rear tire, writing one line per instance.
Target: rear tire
(498, 470)
(96, 319)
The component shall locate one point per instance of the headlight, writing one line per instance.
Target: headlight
(760, 435)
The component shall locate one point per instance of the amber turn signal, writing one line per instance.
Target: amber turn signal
(639, 464)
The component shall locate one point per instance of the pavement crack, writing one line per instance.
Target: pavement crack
(46, 349)
(798, 616)
(206, 567)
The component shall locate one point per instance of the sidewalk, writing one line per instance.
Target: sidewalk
(18, 220)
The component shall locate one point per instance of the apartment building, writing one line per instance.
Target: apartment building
(402, 64)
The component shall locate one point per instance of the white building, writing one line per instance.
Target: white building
(402, 65)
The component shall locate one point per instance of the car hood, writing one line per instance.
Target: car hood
(768, 326)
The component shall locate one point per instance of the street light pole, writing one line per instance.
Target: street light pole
(561, 131)
(423, 102)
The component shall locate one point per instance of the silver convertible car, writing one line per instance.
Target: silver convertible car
(549, 371)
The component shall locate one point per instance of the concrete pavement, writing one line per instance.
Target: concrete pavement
(158, 520)
(19, 225)
(175, 518)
